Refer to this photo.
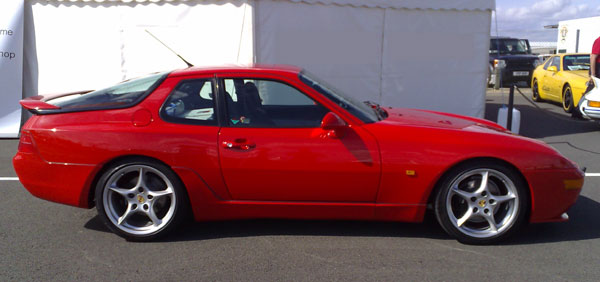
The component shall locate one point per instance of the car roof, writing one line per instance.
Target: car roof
(252, 68)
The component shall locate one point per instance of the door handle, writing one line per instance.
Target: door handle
(240, 144)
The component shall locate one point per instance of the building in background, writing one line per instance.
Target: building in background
(410, 53)
(578, 35)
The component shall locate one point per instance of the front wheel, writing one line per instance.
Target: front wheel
(567, 99)
(140, 199)
(481, 202)
(535, 91)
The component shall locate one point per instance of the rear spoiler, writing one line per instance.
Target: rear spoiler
(38, 105)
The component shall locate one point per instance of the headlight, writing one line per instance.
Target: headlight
(499, 63)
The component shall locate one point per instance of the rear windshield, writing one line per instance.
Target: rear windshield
(122, 95)
(576, 62)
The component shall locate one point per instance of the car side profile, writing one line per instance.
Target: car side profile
(275, 142)
(562, 78)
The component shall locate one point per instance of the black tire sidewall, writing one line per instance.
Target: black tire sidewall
(181, 206)
(444, 220)
(535, 91)
(567, 108)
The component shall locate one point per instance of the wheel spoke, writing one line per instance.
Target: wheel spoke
(158, 194)
(464, 218)
(484, 182)
(141, 180)
(128, 212)
(505, 198)
(120, 191)
(491, 221)
(152, 215)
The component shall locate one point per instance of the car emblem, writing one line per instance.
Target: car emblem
(141, 199)
(482, 203)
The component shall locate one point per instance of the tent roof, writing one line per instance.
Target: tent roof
(397, 4)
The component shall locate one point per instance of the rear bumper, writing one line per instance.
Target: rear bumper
(553, 193)
(57, 182)
(587, 111)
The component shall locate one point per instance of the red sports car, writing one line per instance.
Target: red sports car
(275, 142)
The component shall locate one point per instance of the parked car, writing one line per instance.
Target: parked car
(276, 142)
(589, 105)
(561, 79)
(514, 60)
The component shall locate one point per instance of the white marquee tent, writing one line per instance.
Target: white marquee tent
(426, 54)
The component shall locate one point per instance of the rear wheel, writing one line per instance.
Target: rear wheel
(567, 99)
(481, 202)
(535, 91)
(140, 199)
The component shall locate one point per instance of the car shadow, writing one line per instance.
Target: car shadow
(585, 215)
(540, 123)
(583, 224)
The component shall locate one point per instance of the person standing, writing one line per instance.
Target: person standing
(595, 59)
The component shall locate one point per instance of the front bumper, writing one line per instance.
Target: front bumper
(588, 112)
(554, 191)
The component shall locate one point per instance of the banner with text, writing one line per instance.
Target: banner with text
(11, 66)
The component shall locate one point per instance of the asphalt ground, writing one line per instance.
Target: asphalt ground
(45, 241)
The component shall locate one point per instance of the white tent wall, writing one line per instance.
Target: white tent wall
(407, 53)
(436, 60)
(89, 45)
(404, 57)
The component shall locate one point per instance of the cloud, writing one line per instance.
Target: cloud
(529, 21)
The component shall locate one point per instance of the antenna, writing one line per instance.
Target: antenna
(186, 62)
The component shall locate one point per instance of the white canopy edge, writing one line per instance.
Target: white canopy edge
(469, 5)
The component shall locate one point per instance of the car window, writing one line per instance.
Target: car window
(555, 62)
(576, 62)
(269, 103)
(191, 102)
(547, 63)
(124, 94)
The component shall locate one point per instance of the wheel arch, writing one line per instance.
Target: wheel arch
(437, 186)
(92, 189)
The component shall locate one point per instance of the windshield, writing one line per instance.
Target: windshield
(121, 95)
(509, 46)
(358, 109)
(576, 62)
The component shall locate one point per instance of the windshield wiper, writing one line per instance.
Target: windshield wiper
(381, 113)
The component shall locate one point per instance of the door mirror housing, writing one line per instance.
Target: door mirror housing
(552, 69)
(334, 125)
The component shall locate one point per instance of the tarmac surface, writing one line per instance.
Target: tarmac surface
(40, 240)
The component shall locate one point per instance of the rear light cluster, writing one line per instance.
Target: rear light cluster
(26, 143)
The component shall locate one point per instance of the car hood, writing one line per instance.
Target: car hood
(425, 118)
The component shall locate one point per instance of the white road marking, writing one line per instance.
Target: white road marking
(9, 179)
(592, 174)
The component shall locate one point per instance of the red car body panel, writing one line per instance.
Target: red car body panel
(385, 170)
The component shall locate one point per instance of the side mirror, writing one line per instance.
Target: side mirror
(552, 69)
(334, 125)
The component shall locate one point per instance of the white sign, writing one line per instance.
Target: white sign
(11, 66)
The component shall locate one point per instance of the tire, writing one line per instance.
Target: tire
(481, 214)
(141, 210)
(535, 91)
(567, 99)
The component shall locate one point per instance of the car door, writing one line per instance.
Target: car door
(273, 149)
(551, 80)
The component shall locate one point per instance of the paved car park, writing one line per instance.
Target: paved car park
(40, 240)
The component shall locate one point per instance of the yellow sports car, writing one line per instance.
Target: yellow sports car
(562, 78)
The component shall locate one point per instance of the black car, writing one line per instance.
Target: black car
(513, 57)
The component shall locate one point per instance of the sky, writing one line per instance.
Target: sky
(527, 18)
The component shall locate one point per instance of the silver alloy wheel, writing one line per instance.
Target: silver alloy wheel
(139, 199)
(482, 203)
